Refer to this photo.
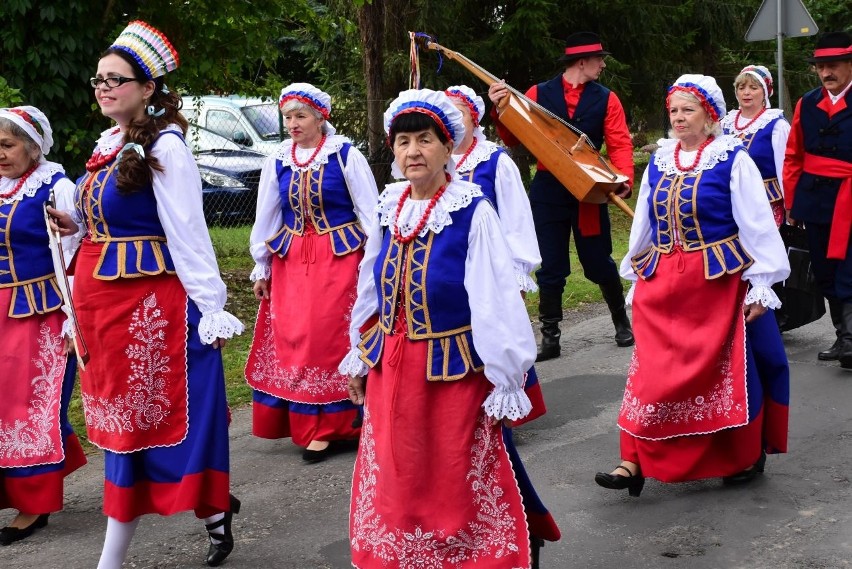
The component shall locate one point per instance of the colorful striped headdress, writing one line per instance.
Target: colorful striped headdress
(149, 47)
(471, 100)
(763, 78)
(705, 89)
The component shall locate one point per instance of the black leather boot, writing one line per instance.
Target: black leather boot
(550, 315)
(845, 352)
(835, 309)
(613, 294)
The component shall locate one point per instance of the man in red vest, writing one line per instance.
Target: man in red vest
(818, 182)
(576, 97)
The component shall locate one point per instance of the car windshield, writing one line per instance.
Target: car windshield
(201, 139)
(264, 119)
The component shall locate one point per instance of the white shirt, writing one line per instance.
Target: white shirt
(177, 190)
(269, 218)
(501, 329)
(515, 212)
(752, 214)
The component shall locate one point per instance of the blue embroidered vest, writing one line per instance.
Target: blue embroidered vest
(823, 136)
(437, 309)
(697, 208)
(26, 265)
(329, 206)
(134, 241)
(759, 147)
(484, 175)
(588, 117)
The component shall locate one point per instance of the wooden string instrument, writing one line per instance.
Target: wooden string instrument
(562, 148)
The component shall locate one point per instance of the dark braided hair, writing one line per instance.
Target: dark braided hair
(134, 171)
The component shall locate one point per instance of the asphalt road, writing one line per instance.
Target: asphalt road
(294, 516)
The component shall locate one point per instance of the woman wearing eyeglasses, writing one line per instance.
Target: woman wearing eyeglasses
(150, 305)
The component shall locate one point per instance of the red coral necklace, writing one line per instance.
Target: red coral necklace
(311, 159)
(20, 183)
(697, 155)
(749, 123)
(397, 234)
(466, 154)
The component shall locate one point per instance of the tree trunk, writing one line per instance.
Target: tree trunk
(371, 25)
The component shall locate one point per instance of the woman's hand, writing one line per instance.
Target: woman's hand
(68, 347)
(497, 91)
(261, 289)
(753, 311)
(219, 343)
(62, 222)
(356, 389)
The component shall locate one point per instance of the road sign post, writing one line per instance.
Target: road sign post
(776, 19)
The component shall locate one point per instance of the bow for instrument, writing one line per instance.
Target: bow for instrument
(58, 257)
(562, 148)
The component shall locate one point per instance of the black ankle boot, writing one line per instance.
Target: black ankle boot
(835, 309)
(550, 335)
(550, 315)
(221, 545)
(613, 294)
(845, 352)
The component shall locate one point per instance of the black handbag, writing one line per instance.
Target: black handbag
(801, 298)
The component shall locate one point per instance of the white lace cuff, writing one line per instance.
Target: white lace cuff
(512, 405)
(525, 281)
(352, 365)
(260, 272)
(219, 324)
(68, 328)
(628, 300)
(764, 295)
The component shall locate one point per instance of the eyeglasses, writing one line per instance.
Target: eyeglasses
(111, 82)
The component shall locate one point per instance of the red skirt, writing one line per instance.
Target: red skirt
(433, 485)
(301, 336)
(684, 414)
(33, 367)
(134, 387)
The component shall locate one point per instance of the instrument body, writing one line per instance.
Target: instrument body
(565, 151)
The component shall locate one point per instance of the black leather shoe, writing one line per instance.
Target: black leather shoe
(747, 475)
(633, 482)
(623, 331)
(550, 334)
(314, 456)
(9, 535)
(536, 543)
(221, 545)
(832, 354)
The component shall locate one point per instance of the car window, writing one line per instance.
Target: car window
(222, 122)
(264, 119)
(190, 114)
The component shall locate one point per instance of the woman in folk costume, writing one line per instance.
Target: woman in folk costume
(315, 207)
(482, 162)
(763, 130)
(704, 252)
(150, 305)
(433, 484)
(38, 447)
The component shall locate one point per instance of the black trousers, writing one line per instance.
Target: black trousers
(834, 276)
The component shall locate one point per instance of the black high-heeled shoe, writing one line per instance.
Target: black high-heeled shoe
(748, 474)
(9, 535)
(634, 482)
(221, 545)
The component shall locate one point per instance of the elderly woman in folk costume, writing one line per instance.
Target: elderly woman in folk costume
(704, 251)
(315, 207)
(38, 447)
(763, 130)
(445, 369)
(483, 162)
(150, 304)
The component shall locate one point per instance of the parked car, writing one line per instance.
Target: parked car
(252, 123)
(230, 176)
